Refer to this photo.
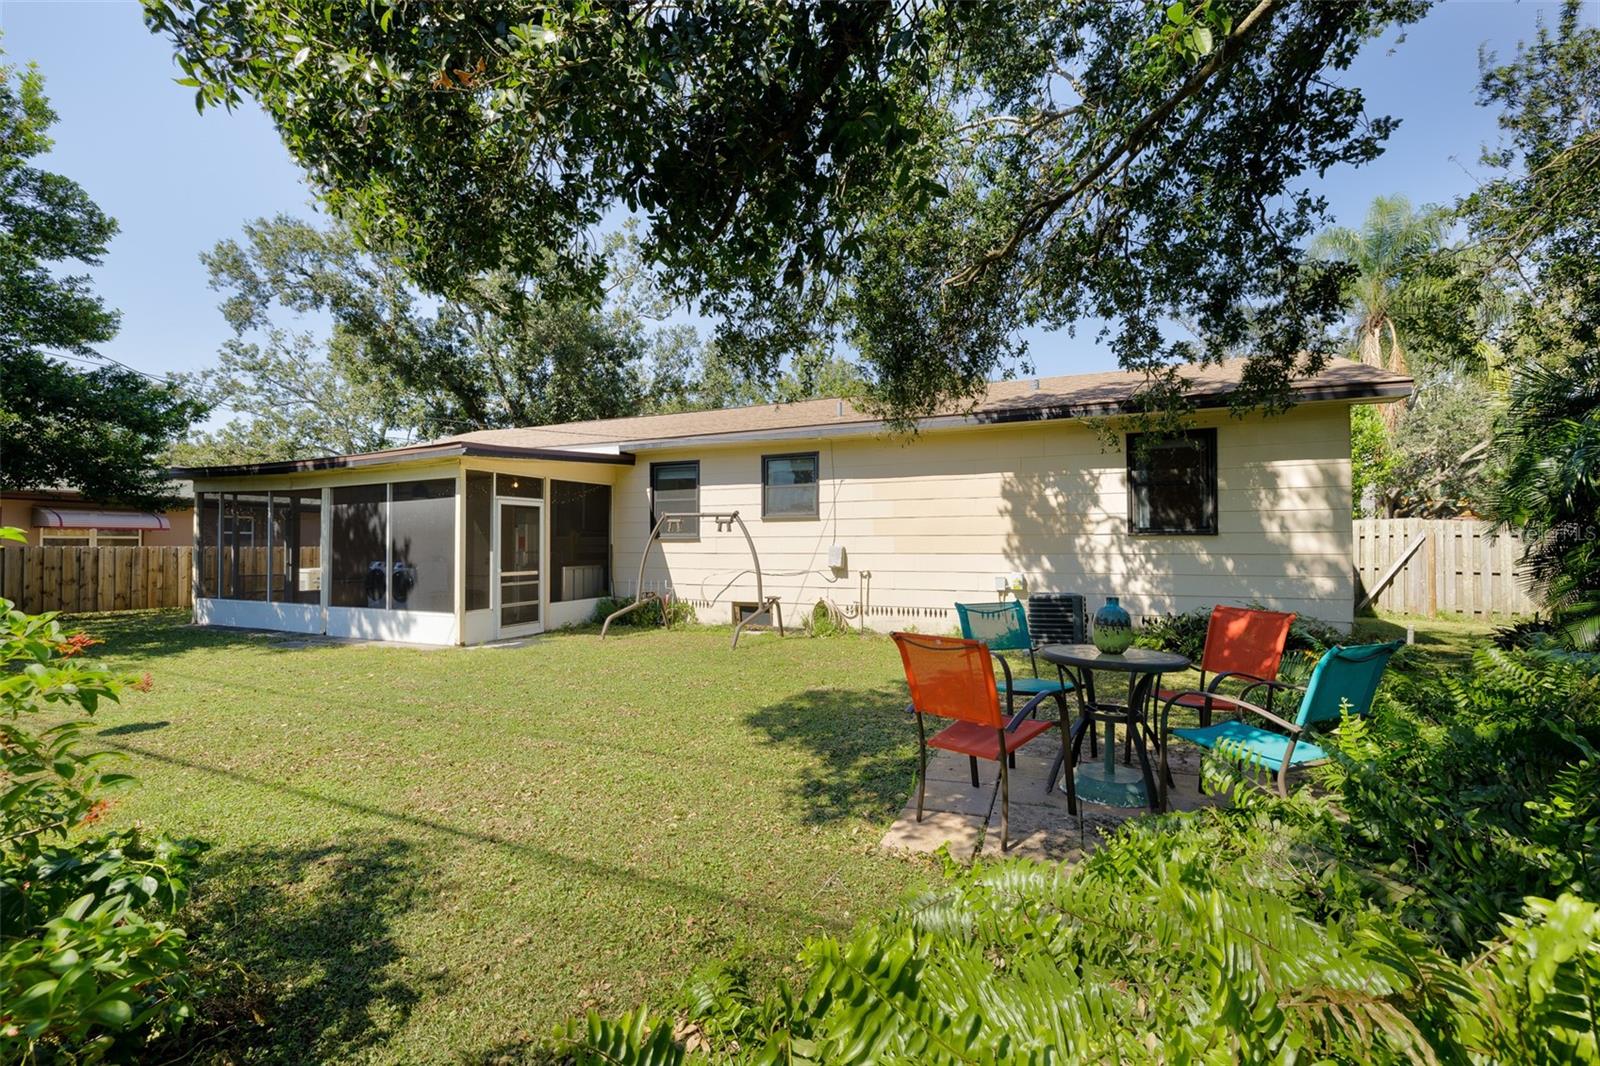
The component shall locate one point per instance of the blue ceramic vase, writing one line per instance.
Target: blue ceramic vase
(1113, 628)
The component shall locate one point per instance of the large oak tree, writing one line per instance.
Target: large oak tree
(919, 180)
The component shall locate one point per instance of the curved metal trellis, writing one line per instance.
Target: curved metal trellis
(766, 606)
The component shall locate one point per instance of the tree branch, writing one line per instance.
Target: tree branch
(1125, 151)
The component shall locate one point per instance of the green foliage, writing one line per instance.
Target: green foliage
(1372, 462)
(1187, 942)
(1390, 285)
(922, 182)
(90, 965)
(1537, 220)
(1548, 485)
(1186, 633)
(1478, 789)
(45, 218)
(1432, 466)
(501, 351)
(680, 613)
(101, 431)
(1441, 445)
(1528, 633)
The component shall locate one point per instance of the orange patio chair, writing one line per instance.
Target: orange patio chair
(954, 678)
(1242, 645)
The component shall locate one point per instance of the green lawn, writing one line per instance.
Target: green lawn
(437, 855)
(1447, 643)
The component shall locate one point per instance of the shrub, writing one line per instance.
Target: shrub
(1482, 787)
(90, 965)
(680, 612)
(1531, 633)
(1185, 633)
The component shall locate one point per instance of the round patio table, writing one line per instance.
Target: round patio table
(1106, 782)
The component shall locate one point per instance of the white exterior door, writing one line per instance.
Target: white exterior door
(519, 567)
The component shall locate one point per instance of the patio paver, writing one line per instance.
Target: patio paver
(1041, 828)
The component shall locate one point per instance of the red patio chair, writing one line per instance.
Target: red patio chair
(1241, 645)
(954, 678)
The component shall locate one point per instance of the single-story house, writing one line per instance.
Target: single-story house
(501, 533)
(63, 518)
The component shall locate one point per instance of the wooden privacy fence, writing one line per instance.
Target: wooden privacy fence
(96, 579)
(1432, 566)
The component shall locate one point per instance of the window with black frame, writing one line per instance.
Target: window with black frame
(1172, 482)
(675, 489)
(789, 486)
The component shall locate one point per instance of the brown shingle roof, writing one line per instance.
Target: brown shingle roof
(1068, 396)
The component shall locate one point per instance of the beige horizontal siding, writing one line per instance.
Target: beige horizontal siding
(937, 519)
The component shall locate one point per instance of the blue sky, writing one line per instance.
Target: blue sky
(177, 181)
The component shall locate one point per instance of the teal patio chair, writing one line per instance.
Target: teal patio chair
(1344, 681)
(1003, 626)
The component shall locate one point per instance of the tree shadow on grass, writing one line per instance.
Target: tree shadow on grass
(130, 728)
(300, 948)
(864, 740)
(153, 634)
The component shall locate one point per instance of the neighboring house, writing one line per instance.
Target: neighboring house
(63, 518)
(506, 532)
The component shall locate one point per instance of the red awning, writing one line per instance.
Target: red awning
(62, 518)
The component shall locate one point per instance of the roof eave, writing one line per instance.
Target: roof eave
(1374, 392)
(398, 457)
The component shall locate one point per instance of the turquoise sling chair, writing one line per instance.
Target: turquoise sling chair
(1003, 626)
(1344, 681)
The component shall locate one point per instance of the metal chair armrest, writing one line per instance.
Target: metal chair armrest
(1233, 701)
(1272, 686)
(1027, 708)
(1255, 682)
(1005, 666)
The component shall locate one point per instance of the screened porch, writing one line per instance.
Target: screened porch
(435, 553)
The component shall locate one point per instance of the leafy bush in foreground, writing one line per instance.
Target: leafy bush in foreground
(1434, 902)
(1476, 790)
(1157, 949)
(90, 967)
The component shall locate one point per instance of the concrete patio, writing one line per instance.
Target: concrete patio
(967, 819)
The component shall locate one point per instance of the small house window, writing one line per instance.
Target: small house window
(675, 489)
(1172, 482)
(789, 486)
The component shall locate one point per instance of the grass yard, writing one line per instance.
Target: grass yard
(1446, 643)
(438, 855)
